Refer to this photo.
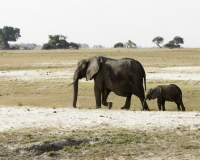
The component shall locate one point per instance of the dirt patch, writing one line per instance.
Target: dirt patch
(37, 75)
(173, 73)
(72, 119)
(50, 63)
(168, 73)
(39, 148)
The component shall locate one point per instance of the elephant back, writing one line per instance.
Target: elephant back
(137, 69)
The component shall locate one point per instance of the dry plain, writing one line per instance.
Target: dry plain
(35, 93)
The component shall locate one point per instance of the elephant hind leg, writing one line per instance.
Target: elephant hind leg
(141, 95)
(178, 106)
(163, 105)
(144, 104)
(127, 103)
(159, 104)
(105, 94)
(182, 106)
(179, 103)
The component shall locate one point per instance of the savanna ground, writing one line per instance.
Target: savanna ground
(181, 143)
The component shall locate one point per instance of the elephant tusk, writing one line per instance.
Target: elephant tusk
(70, 84)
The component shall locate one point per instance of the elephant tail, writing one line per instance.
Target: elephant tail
(144, 76)
(145, 82)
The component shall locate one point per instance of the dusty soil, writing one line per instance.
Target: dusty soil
(15, 118)
(167, 73)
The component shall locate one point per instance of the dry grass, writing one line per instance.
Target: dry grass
(13, 60)
(56, 93)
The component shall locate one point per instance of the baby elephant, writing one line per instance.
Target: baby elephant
(166, 93)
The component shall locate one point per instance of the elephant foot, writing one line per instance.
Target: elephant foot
(127, 108)
(109, 105)
(146, 109)
(98, 107)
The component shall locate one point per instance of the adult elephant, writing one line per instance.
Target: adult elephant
(124, 77)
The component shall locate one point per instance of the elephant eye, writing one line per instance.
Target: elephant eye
(84, 65)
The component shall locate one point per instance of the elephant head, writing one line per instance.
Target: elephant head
(152, 93)
(86, 68)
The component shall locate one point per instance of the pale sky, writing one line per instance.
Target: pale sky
(104, 22)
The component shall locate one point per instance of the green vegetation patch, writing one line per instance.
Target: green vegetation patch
(105, 143)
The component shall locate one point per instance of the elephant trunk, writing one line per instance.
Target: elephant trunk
(75, 95)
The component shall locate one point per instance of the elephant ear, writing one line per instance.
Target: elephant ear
(155, 92)
(93, 67)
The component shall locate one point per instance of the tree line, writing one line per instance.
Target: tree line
(175, 43)
(8, 33)
(59, 42)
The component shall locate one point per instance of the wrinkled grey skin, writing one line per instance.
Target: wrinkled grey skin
(124, 77)
(166, 93)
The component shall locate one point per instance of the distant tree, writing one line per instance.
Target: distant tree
(1, 46)
(158, 40)
(118, 45)
(8, 33)
(28, 46)
(33, 46)
(74, 45)
(56, 42)
(178, 41)
(79, 45)
(84, 46)
(170, 44)
(46, 46)
(15, 47)
(59, 42)
(130, 44)
(98, 46)
(174, 43)
(25, 47)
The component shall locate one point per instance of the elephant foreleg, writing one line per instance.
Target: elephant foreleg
(127, 103)
(105, 94)
(97, 93)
